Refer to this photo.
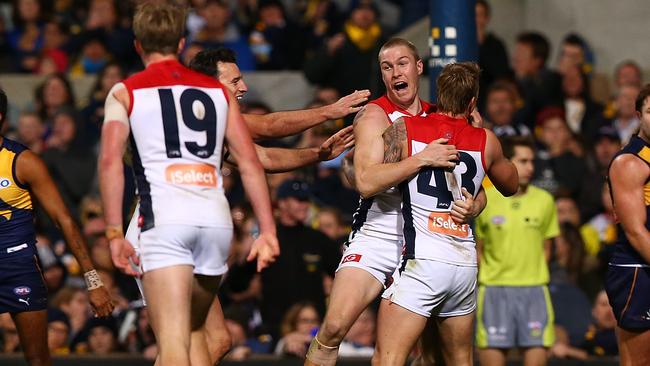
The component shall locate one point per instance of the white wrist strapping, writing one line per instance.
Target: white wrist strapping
(92, 280)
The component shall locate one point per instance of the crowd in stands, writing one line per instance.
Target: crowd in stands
(523, 93)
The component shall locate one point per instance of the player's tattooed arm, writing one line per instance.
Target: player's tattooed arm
(394, 139)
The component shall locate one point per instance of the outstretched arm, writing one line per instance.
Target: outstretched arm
(628, 175)
(286, 123)
(265, 247)
(31, 170)
(380, 158)
(277, 160)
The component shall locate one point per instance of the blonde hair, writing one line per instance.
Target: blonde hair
(159, 27)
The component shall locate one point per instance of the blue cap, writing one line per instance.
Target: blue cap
(295, 188)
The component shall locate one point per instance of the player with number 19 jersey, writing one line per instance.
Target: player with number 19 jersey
(178, 121)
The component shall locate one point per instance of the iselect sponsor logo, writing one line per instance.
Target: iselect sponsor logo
(442, 223)
(204, 175)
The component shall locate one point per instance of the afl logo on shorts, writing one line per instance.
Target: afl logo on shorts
(4, 183)
(22, 290)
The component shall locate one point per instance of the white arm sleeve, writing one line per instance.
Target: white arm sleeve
(113, 109)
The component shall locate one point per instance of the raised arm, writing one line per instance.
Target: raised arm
(501, 171)
(380, 158)
(265, 247)
(278, 160)
(31, 170)
(628, 175)
(286, 123)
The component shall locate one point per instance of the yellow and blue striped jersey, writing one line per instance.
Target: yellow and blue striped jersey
(17, 236)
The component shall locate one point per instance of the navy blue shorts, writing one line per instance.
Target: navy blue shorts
(628, 289)
(22, 287)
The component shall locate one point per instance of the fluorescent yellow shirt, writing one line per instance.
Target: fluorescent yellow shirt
(513, 230)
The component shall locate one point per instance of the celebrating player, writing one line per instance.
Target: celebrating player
(22, 290)
(439, 267)
(375, 244)
(178, 120)
(628, 277)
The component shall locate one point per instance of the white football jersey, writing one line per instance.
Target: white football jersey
(429, 230)
(178, 121)
(380, 215)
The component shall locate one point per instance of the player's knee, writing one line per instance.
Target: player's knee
(332, 332)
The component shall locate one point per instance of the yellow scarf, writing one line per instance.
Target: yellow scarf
(365, 39)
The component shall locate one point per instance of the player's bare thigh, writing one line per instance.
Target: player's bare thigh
(633, 347)
(397, 331)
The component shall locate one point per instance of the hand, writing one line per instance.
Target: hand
(123, 254)
(347, 104)
(334, 43)
(438, 154)
(475, 119)
(265, 248)
(296, 343)
(101, 301)
(462, 210)
(336, 144)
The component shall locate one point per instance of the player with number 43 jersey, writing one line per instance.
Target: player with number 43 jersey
(439, 268)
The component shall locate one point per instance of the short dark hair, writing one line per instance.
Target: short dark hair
(502, 85)
(485, 5)
(457, 84)
(509, 143)
(640, 99)
(574, 39)
(3, 107)
(539, 44)
(206, 60)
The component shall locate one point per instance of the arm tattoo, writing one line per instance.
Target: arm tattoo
(394, 137)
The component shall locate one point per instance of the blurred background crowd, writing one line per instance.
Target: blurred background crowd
(523, 92)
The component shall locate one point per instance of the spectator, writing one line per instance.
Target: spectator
(276, 41)
(540, 87)
(101, 337)
(58, 332)
(600, 339)
(513, 306)
(69, 160)
(575, 51)
(93, 114)
(606, 144)
(26, 39)
(559, 161)
(329, 221)
(626, 121)
(94, 55)
(568, 213)
(492, 54)
(218, 31)
(569, 255)
(604, 224)
(74, 304)
(103, 20)
(308, 257)
(348, 62)
(54, 57)
(239, 350)
(320, 20)
(31, 131)
(297, 329)
(500, 110)
(360, 340)
(583, 115)
(53, 94)
(628, 73)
